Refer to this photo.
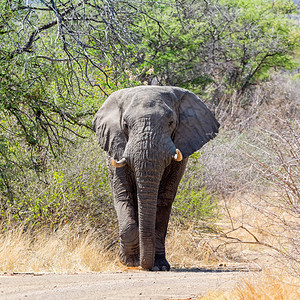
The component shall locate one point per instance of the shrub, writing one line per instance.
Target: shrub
(75, 188)
(282, 207)
(194, 203)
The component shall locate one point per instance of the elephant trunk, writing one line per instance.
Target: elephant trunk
(148, 176)
(147, 204)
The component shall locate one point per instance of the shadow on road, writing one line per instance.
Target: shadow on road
(220, 269)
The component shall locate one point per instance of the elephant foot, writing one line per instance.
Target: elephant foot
(160, 263)
(129, 260)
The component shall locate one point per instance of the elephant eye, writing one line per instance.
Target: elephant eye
(125, 125)
(171, 123)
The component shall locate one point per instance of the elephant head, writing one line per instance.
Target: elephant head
(146, 128)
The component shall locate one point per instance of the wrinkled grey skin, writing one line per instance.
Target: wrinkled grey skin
(145, 125)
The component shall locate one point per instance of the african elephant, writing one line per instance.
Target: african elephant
(148, 133)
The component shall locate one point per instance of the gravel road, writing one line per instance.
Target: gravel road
(176, 284)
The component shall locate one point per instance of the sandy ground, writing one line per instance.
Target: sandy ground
(176, 284)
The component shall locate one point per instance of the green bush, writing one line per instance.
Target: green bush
(74, 188)
(194, 203)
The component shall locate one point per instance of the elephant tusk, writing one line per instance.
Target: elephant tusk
(178, 156)
(118, 164)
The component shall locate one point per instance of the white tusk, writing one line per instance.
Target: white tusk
(118, 164)
(178, 156)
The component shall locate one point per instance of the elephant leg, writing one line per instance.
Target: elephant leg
(125, 203)
(166, 196)
(162, 219)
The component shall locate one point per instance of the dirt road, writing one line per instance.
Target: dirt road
(176, 284)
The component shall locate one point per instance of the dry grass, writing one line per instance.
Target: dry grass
(185, 250)
(61, 252)
(68, 250)
(245, 238)
(264, 287)
(71, 249)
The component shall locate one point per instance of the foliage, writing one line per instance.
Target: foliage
(75, 188)
(218, 44)
(194, 203)
(58, 61)
(34, 119)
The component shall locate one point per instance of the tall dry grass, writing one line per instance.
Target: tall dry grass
(264, 287)
(63, 251)
(185, 249)
(70, 249)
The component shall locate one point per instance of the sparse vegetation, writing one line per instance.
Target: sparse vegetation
(266, 287)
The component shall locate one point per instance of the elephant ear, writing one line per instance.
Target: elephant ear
(107, 125)
(197, 125)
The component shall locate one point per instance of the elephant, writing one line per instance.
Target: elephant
(148, 133)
